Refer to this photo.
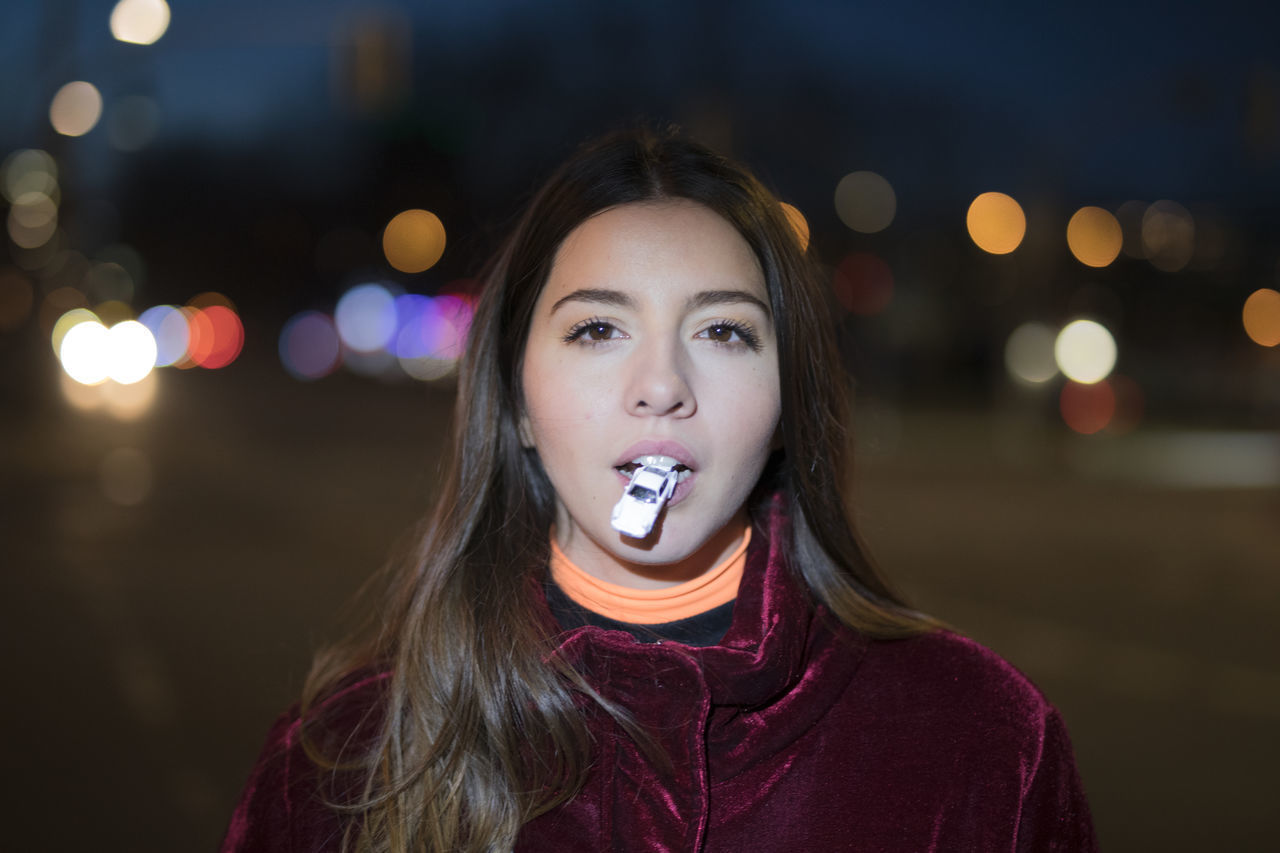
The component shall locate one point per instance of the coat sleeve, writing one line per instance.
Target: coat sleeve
(1055, 814)
(263, 819)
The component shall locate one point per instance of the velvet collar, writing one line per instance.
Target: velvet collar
(767, 651)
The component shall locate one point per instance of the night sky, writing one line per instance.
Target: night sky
(260, 152)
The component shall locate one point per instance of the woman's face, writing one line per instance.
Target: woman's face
(652, 336)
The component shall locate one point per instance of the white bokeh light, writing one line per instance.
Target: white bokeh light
(76, 108)
(1028, 354)
(131, 352)
(1085, 351)
(84, 352)
(140, 21)
(366, 318)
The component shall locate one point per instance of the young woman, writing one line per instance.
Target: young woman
(741, 678)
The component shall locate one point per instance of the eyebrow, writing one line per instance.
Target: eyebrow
(701, 299)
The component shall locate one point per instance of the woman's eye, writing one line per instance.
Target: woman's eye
(593, 331)
(721, 334)
(732, 334)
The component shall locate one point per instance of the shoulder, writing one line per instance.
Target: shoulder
(952, 685)
(285, 804)
(948, 666)
(953, 722)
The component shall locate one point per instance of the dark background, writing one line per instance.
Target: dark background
(1134, 574)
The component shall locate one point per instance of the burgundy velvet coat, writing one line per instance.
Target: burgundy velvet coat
(793, 734)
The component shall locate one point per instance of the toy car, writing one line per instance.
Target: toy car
(649, 490)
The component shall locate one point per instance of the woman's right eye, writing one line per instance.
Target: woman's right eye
(592, 332)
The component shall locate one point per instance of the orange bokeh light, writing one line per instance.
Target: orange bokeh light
(1261, 317)
(996, 223)
(1094, 236)
(413, 240)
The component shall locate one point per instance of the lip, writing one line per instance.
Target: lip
(675, 450)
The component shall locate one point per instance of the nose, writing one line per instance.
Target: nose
(659, 384)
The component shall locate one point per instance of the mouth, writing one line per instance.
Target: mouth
(683, 472)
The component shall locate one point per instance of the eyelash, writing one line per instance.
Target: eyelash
(746, 333)
(578, 331)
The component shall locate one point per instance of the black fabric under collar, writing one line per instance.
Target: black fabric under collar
(705, 629)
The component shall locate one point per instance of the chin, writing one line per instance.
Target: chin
(662, 547)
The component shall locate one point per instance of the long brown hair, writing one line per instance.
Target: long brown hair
(483, 726)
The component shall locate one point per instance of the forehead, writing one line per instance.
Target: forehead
(655, 247)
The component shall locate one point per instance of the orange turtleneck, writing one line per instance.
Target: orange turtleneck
(651, 606)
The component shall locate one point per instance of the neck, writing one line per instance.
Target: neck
(603, 565)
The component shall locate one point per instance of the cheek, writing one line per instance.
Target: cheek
(558, 401)
(750, 408)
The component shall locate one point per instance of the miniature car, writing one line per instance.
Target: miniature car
(649, 490)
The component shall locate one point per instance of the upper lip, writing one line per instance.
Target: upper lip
(674, 449)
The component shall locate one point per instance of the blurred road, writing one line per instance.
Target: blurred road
(150, 645)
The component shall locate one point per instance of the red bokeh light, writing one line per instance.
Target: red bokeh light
(1087, 409)
(863, 283)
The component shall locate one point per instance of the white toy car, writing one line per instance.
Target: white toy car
(649, 490)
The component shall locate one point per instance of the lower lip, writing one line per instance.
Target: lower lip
(682, 488)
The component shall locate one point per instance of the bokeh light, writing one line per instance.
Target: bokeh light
(84, 352)
(432, 335)
(1168, 235)
(1085, 351)
(124, 476)
(140, 21)
(1261, 317)
(91, 353)
(131, 352)
(798, 224)
(213, 335)
(75, 109)
(1028, 354)
(366, 318)
(32, 220)
(168, 326)
(132, 122)
(1094, 236)
(28, 170)
(227, 338)
(17, 298)
(1087, 408)
(414, 240)
(200, 340)
(996, 223)
(66, 322)
(863, 283)
(309, 346)
(865, 202)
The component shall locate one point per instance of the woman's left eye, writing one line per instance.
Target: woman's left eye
(730, 333)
